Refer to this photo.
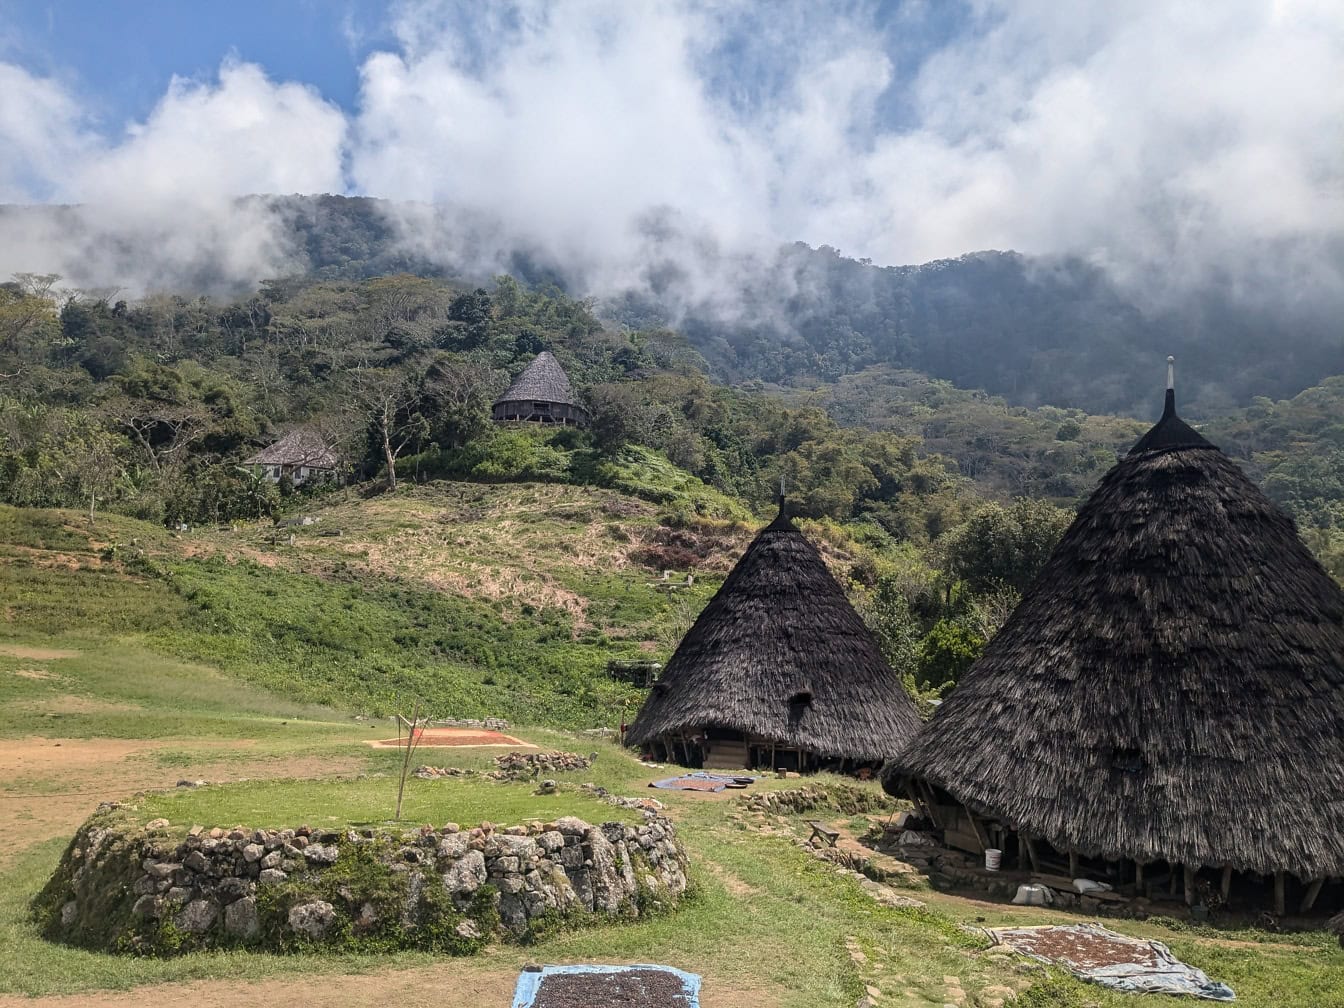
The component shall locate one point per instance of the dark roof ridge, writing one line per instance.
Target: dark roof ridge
(1170, 432)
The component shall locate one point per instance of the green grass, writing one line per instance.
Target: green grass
(369, 800)
(265, 664)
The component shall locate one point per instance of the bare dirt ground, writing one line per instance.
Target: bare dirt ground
(453, 982)
(36, 653)
(460, 738)
(52, 785)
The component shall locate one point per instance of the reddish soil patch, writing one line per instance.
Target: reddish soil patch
(441, 737)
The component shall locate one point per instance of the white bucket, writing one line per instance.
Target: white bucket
(993, 856)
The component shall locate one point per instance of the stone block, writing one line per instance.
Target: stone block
(241, 919)
(312, 920)
(197, 916)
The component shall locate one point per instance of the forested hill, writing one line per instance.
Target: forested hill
(1033, 331)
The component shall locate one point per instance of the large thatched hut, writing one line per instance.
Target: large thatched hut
(778, 671)
(1166, 705)
(540, 394)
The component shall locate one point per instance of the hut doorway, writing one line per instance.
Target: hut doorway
(726, 749)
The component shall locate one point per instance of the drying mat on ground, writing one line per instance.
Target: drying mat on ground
(457, 737)
(640, 986)
(1091, 952)
(701, 781)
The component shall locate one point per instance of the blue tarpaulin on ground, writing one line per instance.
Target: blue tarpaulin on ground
(1136, 965)
(699, 780)
(530, 981)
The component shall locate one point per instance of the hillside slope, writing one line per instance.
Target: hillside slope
(480, 600)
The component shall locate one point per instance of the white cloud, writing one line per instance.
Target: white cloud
(41, 134)
(1174, 138)
(158, 205)
(1160, 138)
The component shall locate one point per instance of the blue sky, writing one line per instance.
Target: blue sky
(1171, 138)
(122, 53)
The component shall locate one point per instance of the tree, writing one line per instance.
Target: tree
(887, 613)
(1004, 545)
(94, 466)
(945, 653)
(163, 430)
(618, 414)
(389, 400)
(472, 315)
(457, 395)
(27, 310)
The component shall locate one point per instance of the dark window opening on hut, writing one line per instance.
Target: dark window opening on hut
(1126, 760)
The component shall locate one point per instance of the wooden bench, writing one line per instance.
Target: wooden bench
(820, 829)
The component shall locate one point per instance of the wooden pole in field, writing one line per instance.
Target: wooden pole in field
(411, 742)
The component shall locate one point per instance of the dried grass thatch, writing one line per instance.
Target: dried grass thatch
(543, 379)
(1171, 687)
(781, 655)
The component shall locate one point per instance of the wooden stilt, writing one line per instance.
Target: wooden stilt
(930, 805)
(1073, 864)
(1309, 898)
(1138, 877)
(1226, 887)
(975, 826)
(1031, 853)
(1021, 850)
(1171, 883)
(1278, 893)
(1189, 886)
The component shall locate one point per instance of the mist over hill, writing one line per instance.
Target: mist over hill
(1034, 330)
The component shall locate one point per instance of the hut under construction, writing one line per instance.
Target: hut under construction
(778, 671)
(1165, 708)
(540, 394)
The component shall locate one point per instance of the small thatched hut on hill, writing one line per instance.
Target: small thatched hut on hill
(1167, 701)
(303, 455)
(540, 394)
(778, 671)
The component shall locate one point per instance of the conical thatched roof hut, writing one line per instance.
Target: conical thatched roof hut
(1170, 689)
(540, 394)
(778, 670)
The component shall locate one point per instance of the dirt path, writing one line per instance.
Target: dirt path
(51, 785)
(452, 983)
(36, 653)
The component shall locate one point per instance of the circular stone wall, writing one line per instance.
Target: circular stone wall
(126, 887)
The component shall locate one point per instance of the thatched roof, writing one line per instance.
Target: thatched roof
(299, 447)
(779, 653)
(543, 380)
(1171, 687)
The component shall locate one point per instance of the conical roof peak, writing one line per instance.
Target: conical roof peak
(1171, 687)
(1170, 431)
(780, 654)
(543, 379)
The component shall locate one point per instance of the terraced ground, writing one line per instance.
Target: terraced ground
(131, 658)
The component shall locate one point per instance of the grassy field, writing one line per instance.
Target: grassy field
(116, 677)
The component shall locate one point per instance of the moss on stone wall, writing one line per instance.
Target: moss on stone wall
(150, 890)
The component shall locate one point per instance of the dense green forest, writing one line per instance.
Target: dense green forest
(944, 500)
(1036, 331)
